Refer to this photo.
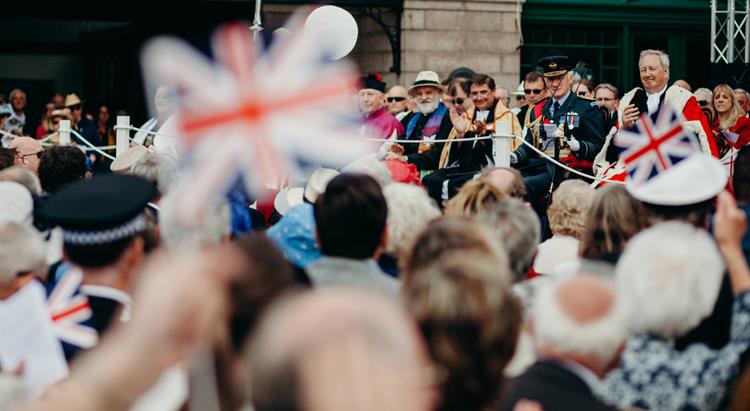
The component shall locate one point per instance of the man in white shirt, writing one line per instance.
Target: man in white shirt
(653, 66)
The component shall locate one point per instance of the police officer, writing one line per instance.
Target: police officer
(575, 120)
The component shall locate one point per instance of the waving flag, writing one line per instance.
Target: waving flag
(256, 114)
(654, 148)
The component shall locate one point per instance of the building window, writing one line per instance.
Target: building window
(598, 47)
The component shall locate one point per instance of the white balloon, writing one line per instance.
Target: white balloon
(336, 27)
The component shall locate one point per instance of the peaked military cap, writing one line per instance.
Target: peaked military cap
(101, 210)
(553, 66)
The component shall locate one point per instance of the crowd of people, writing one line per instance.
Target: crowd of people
(424, 276)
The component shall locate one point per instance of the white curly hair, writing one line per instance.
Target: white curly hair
(671, 274)
(410, 209)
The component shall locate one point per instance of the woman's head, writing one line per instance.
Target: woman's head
(726, 106)
(451, 234)
(570, 205)
(410, 209)
(614, 217)
(474, 197)
(470, 321)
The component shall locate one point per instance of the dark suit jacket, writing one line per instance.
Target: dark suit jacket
(471, 156)
(590, 132)
(554, 387)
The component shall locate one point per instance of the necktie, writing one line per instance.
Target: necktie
(555, 107)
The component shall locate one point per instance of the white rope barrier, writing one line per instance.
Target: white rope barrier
(131, 128)
(490, 137)
(93, 147)
(559, 164)
(440, 141)
(8, 134)
(49, 136)
(113, 146)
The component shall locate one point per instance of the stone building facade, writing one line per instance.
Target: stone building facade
(438, 35)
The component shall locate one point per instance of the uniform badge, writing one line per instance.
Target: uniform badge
(572, 119)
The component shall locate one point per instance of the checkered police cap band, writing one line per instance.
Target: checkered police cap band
(109, 235)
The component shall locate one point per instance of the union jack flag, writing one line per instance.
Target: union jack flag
(655, 148)
(256, 114)
(69, 310)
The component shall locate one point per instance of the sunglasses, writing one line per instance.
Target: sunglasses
(38, 154)
(581, 93)
(395, 99)
(535, 91)
(457, 101)
(75, 108)
(702, 103)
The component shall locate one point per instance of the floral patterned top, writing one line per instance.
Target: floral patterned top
(654, 375)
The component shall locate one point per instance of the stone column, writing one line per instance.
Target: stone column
(483, 35)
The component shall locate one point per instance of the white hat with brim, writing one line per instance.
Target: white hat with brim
(699, 178)
(125, 161)
(426, 79)
(288, 198)
(519, 90)
(318, 182)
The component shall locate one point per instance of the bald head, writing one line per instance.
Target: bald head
(585, 300)
(684, 84)
(507, 179)
(28, 151)
(310, 351)
(580, 319)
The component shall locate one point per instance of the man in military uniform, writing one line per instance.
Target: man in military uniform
(571, 123)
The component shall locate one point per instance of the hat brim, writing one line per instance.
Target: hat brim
(288, 198)
(414, 87)
(555, 73)
(694, 180)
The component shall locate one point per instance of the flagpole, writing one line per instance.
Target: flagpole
(256, 27)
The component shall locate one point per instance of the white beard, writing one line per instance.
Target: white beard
(427, 108)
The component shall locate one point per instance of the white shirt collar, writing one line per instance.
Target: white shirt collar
(658, 93)
(652, 100)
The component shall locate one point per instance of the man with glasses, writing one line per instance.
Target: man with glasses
(85, 127)
(563, 115)
(607, 95)
(28, 152)
(397, 101)
(534, 92)
(459, 161)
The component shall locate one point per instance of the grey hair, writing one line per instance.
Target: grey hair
(157, 167)
(209, 229)
(22, 249)
(704, 91)
(371, 166)
(670, 274)
(555, 328)
(24, 177)
(663, 57)
(410, 209)
(742, 90)
(518, 229)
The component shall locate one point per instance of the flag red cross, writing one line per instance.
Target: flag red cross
(654, 142)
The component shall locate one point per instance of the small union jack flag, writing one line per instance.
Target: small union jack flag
(258, 114)
(655, 148)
